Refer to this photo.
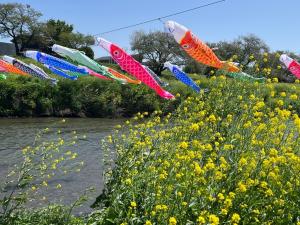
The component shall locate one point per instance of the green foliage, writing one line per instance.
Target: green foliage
(156, 48)
(193, 66)
(56, 28)
(242, 47)
(52, 214)
(19, 22)
(201, 162)
(88, 51)
(59, 32)
(93, 97)
(88, 96)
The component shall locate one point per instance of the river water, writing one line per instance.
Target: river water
(18, 133)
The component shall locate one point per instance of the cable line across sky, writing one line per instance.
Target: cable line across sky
(162, 17)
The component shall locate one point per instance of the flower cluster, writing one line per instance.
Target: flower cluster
(227, 157)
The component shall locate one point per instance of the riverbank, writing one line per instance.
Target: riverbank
(93, 97)
(86, 97)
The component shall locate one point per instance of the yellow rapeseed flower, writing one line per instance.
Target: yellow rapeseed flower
(293, 97)
(228, 203)
(280, 102)
(221, 196)
(282, 94)
(128, 181)
(194, 127)
(235, 218)
(183, 145)
(133, 204)
(172, 221)
(269, 192)
(201, 220)
(242, 162)
(213, 219)
(197, 169)
(212, 118)
(224, 212)
(242, 187)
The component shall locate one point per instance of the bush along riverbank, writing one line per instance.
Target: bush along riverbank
(86, 97)
(227, 157)
(92, 97)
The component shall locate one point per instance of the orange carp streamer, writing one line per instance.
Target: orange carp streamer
(122, 76)
(197, 49)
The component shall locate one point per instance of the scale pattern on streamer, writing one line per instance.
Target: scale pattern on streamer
(27, 69)
(129, 64)
(185, 79)
(11, 69)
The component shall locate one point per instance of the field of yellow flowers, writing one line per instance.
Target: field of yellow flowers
(230, 156)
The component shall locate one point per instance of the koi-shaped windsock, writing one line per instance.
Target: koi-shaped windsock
(197, 49)
(29, 69)
(292, 65)
(9, 68)
(156, 77)
(133, 67)
(54, 62)
(183, 77)
(82, 59)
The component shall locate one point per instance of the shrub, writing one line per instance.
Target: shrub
(88, 96)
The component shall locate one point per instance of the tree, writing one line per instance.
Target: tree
(242, 48)
(192, 66)
(75, 40)
(58, 32)
(55, 28)
(254, 57)
(18, 21)
(88, 51)
(156, 48)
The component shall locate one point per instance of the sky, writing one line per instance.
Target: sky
(274, 21)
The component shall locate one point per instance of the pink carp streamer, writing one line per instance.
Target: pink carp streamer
(292, 65)
(130, 65)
